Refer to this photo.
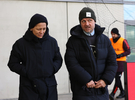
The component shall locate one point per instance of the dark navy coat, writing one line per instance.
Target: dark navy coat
(36, 61)
(83, 67)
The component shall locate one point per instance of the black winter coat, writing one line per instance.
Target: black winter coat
(83, 67)
(36, 61)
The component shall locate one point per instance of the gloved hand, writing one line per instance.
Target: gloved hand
(120, 55)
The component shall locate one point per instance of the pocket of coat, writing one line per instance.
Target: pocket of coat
(51, 81)
(25, 81)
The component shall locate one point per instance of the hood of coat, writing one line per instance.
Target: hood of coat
(31, 37)
(77, 30)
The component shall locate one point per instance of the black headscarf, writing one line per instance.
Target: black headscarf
(35, 19)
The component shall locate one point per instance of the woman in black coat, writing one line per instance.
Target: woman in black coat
(36, 58)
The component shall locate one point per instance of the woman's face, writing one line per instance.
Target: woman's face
(39, 30)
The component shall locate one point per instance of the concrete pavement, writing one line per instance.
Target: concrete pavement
(68, 97)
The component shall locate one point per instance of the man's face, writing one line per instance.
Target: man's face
(114, 36)
(88, 24)
(39, 30)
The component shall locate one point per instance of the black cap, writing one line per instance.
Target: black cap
(115, 30)
(37, 18)
(87, 12)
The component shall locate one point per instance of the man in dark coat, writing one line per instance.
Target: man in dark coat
(90, 59)
(122, 49)
(36, 58)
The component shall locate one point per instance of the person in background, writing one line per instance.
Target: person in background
(36, 58)
(90, 59)
(122, 49)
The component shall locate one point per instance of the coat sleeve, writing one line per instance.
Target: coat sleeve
(126, 48)
(57, 60)
(111, 65)
(76, 71)
(15, 61)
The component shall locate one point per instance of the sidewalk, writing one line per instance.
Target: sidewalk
(67, 96)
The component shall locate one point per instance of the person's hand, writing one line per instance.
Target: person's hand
(91, 84)
(120, 55)
(100, 84)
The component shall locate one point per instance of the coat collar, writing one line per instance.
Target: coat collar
(116, 39)
(77, 30)
(31, 37)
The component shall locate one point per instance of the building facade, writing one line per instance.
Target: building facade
(62, 15)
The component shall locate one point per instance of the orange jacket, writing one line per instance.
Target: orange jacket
(118, 47)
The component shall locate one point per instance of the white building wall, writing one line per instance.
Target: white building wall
(14, 19)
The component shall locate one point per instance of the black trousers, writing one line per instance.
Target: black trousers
(118, 83)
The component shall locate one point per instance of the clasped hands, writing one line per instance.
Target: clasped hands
(96, 84)
(119, 55)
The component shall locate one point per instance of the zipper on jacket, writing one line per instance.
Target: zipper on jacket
(92, 58)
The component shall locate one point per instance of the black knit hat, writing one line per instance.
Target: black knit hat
(115, 30)
(37, 18)
(87, 12)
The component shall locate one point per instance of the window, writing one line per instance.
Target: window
(129, 12)
(129, 16)
(130, 36)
